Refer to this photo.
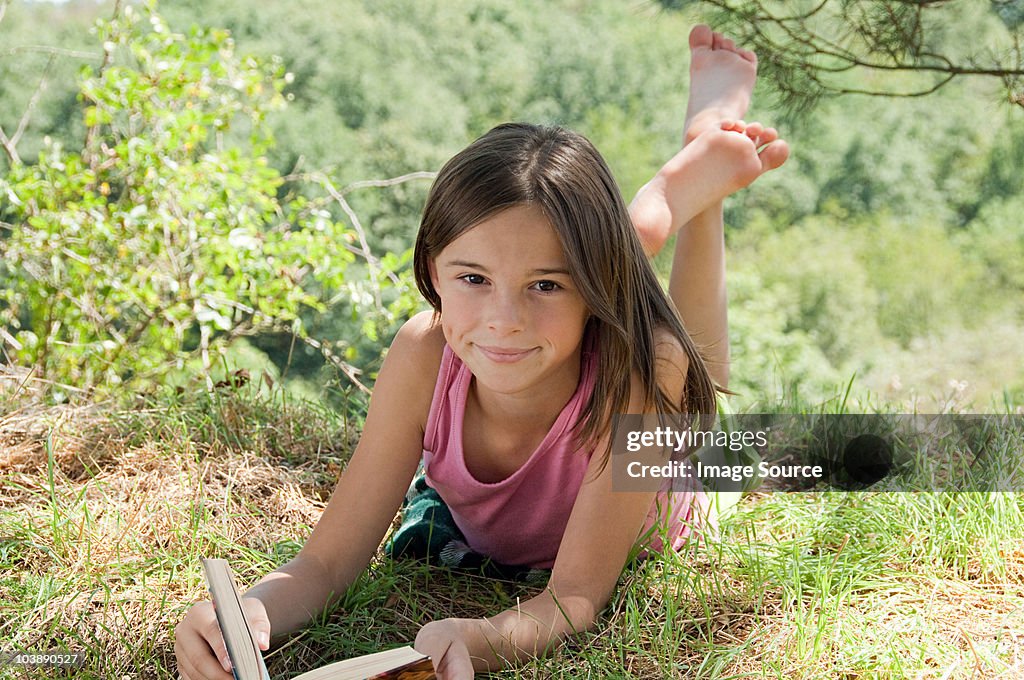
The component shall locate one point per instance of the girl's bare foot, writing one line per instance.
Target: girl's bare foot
(722, 80)
(721, 154)
(771, 151)
(716, 163)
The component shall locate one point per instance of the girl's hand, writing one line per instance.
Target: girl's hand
(199, 647)
(444, 643)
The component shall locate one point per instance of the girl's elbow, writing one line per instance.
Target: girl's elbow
(575, 613)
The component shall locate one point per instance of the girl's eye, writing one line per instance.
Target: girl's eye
(547, 286)
(472, 279)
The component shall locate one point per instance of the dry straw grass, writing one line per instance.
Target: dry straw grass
(106, 518)
(104, 515)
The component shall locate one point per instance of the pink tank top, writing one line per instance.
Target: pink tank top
(520, 520)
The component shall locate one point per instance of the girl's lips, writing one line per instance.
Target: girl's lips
(504, 355)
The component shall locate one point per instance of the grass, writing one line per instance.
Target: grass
(104, 514)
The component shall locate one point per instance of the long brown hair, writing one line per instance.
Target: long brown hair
(561, 172)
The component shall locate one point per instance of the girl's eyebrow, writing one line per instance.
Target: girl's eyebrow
(465, 263)
(476, 265)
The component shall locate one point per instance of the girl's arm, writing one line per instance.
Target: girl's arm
(602, 530)
(355, 520)
(370, 491)
(371, 488)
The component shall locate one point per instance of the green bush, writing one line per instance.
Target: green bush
(995, 241)
(770, 357)
(163, 235)
(926, 283)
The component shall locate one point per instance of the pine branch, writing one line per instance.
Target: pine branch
(801, 49)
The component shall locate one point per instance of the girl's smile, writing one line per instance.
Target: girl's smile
(509, 307)
(504, 355)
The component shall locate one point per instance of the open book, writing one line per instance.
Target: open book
(403, 663)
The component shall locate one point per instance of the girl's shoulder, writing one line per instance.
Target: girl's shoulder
(671, 360)
(405, 384)
(419, 344)
(671, 363)
(668, 346)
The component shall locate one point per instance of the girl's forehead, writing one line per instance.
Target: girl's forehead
(522, 232)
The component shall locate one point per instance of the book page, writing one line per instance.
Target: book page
(403, 663)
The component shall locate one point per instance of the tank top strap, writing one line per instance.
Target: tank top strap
(446, 375)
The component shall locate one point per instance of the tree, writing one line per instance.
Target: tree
(904, 48)
(162, 235)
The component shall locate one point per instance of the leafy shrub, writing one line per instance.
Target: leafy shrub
(164, 234)
(996, 241)
(924, 279)
(770, 356)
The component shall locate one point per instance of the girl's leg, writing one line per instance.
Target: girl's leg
(717, 163)
(697, 282)
(721, 155)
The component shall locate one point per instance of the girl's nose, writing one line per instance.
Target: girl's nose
(505, 313)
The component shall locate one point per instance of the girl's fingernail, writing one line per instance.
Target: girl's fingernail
(264, 639)
(226, 663)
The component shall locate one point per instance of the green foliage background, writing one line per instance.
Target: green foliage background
(888, 248)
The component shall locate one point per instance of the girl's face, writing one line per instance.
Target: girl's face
(509, 308)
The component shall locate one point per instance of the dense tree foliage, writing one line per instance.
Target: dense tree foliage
(888, 247)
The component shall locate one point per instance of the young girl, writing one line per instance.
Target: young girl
(547, 321)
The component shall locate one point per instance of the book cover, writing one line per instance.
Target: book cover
(402, 663)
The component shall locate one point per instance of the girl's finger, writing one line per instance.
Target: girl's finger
(185, 668)
(212, 637)
(259, 622)
(201, 664)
